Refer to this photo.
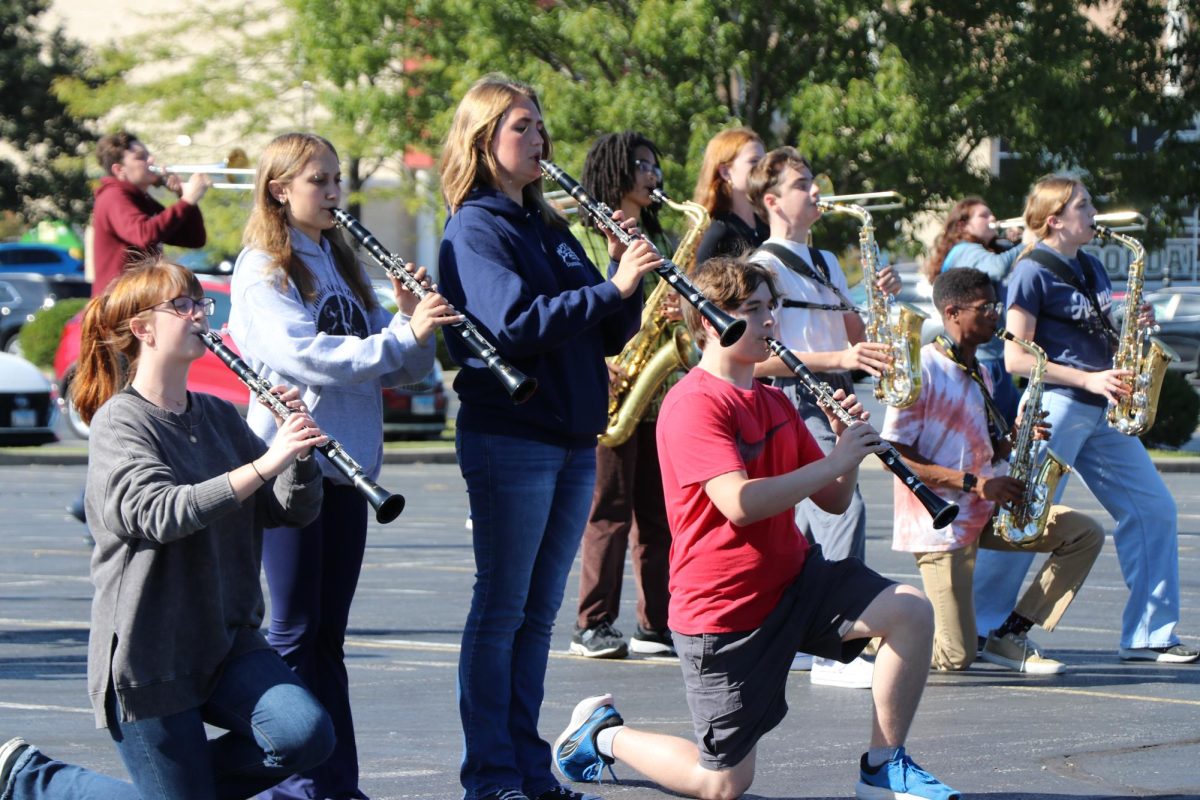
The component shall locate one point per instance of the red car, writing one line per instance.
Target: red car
(414, 411)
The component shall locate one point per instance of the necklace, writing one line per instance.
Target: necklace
(174, 406)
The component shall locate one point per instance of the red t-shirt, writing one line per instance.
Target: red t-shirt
(727, 578)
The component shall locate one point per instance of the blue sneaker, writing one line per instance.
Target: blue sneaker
(575, 750)
(900, 779)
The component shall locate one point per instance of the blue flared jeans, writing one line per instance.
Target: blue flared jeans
(529, 503)
(1119, 472)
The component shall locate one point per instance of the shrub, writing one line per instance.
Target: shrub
(40, 336)
(1178, 413)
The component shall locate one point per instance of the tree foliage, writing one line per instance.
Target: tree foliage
(894, 95)
(45, 177)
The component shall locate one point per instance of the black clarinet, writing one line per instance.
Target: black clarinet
(729, 328)
(387, 505)
(943, 512)
(518, 385)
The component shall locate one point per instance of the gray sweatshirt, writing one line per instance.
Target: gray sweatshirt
(337, 353)
(177, 557)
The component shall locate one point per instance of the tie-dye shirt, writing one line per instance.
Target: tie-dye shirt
(948, 426)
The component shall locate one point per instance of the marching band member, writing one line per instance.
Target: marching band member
(969, 240)
(747, 590)
(955, 442)
(179, 490)
(1060, 298)
(304, 314)
(628, 511)
(721, 188)
(509, 263)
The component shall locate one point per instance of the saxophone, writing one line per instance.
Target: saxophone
(1133, 415)
(647, 360)
(1026, 522)
(900, 384)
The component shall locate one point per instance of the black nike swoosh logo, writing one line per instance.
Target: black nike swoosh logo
(752, 450)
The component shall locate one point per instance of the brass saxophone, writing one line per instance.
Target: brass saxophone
(1134, 414)
(647, 360)
(900, 384)
(1026, 522)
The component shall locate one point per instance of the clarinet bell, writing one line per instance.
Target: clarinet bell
(387, 505)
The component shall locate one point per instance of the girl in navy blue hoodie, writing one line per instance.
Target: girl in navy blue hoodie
(509, 263)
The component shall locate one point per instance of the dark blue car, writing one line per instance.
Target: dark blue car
(41, 258)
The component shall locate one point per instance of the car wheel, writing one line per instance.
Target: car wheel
(13, 345)
(75, 422)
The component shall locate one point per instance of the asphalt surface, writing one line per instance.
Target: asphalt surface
(1104, 729)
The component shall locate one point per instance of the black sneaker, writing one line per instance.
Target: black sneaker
(651, 642)
(563, 793)
(602, 641)
(1175, 654)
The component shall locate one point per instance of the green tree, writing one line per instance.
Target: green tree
(46, 178)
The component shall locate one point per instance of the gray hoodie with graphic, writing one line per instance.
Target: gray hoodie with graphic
(338, 353)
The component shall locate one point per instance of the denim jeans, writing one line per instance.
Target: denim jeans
(1118, 471)
(274, 725)
(529, 503)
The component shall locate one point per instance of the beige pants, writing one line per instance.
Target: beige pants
(1073, 540)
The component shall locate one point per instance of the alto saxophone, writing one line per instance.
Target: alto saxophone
(659, 348)
(1025, 522)
(899, 385)
(1134, 414)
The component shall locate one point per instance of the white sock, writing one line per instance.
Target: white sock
(878, 756)
(604, 740)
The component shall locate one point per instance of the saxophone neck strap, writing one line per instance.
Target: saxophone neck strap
(1067, 275)
(821, 275)
(996, 424)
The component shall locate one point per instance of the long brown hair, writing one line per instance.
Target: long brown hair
(953, 232)
(712, 191)
(108, 350)
(1048, 198)
(282, 160)
(467, 159)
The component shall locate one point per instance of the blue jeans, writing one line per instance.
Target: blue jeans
(529, 504)
(1118, 471)
(312, 573)
(274, 725)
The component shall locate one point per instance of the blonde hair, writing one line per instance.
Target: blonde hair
(1048, 198)
(712, 191)
(467, 159)
(282, 160)
(108, 350)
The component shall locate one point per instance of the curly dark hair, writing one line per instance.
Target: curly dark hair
(609, 173)
(957, 287)
(953, 232)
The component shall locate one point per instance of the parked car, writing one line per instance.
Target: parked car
(208, 374)
(23, 294)
(417, 410)
(1177, 310)
(43, 258)
(28, 412)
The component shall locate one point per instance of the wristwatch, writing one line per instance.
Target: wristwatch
(969, 481)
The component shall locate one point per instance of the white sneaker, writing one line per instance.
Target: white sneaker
(855, 675)
(801, 662)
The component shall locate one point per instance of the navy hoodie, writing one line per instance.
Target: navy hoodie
(532, 292)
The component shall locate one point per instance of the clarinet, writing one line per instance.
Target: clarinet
(387, 505)
(729, 328)
(943, 512)
(518, 385)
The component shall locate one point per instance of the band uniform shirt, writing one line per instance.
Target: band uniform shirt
(948, 426)
(724, 577)
(1067, 327)
(806, 329)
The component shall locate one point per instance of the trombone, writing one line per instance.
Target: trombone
(1126, 221)
(237, 163)
(870, 201)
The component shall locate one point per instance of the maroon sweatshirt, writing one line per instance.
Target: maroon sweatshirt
(127, 223)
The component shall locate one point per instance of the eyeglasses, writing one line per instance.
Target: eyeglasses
(185, 306)
(996, 308)
(651, 169)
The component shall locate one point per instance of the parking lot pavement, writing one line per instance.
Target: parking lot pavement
(1104, 729)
